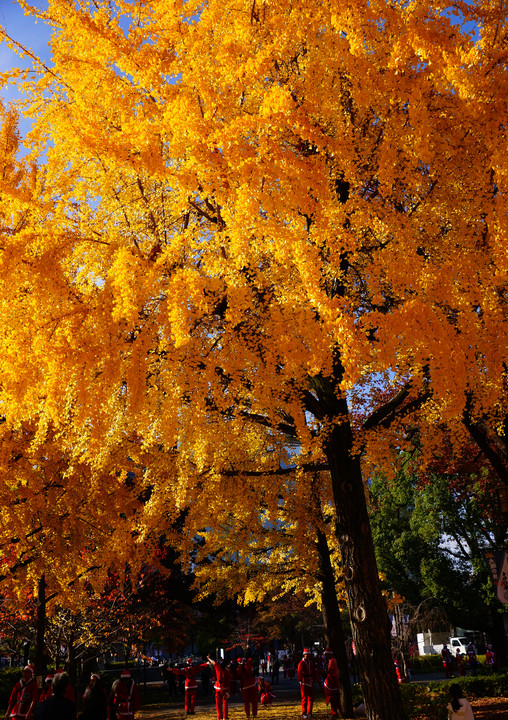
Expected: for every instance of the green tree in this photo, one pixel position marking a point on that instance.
(431, 530)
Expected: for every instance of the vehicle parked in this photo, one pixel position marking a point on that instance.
(431, 643)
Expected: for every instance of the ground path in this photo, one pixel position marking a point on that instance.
(287, 705)
(484, 709)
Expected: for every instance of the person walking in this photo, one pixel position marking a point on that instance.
(24, 696)
(222, 688)
(461, 668)
(491, 658)
(248, 684)
(58, 706)
(331, 684)
(275, 669)
(306, 675)
(95, 700)
(472, 661)
(447, 661)
(125, 697)
(47, 689)
(190, 673)
(69, 689)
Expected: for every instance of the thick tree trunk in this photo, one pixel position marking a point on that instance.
(40, 629)
(498, 632)
(367, 609)
(334, 634)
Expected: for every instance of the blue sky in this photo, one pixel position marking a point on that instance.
(25, 30)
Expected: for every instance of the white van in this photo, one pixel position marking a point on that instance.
(458, 643)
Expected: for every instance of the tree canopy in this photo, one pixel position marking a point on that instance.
(224, 206)
(431, 533)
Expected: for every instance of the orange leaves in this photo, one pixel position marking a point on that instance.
(122, 275)
(235, 205)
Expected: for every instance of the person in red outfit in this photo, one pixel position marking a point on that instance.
(306, 675)
(459, 657)
(23, 697)
(331, 683)
(126, 699)
(447, 661)
(47, 690)
(95, 700)
(249, 689)
(265, 691)
(491, 658)
(190, 672)
(222, 688)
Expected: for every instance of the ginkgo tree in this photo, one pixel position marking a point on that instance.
(61, 520)
(246, 212)
(261, 550)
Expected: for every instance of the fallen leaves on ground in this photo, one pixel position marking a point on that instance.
(484, 709)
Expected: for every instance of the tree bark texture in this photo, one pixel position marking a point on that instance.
(40, 629)
(367, 608)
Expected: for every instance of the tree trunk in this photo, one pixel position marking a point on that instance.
(57, 648)
(26, 653)
(367, 609)
(40, 629)
(498, 632)
(334, 634)
(402, 641)
(71, 657)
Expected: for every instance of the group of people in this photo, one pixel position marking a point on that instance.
(249, 684)
(467, 663)
(270, 665)
(228, 675)
(308, 676)
(57, 699)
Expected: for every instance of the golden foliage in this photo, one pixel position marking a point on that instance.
(230, 196)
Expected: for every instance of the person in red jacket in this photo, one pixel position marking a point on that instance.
(95, 700)
(249, 689)
(190, 672)
(23, 697)
(491, 658)
(331, 684)
(126, 698)
(265, 691)
(306, 674)
(47, 689)
(447, 661)
(222, 686)
(460, 660)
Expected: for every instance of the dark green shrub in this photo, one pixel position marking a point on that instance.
(429, 700)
